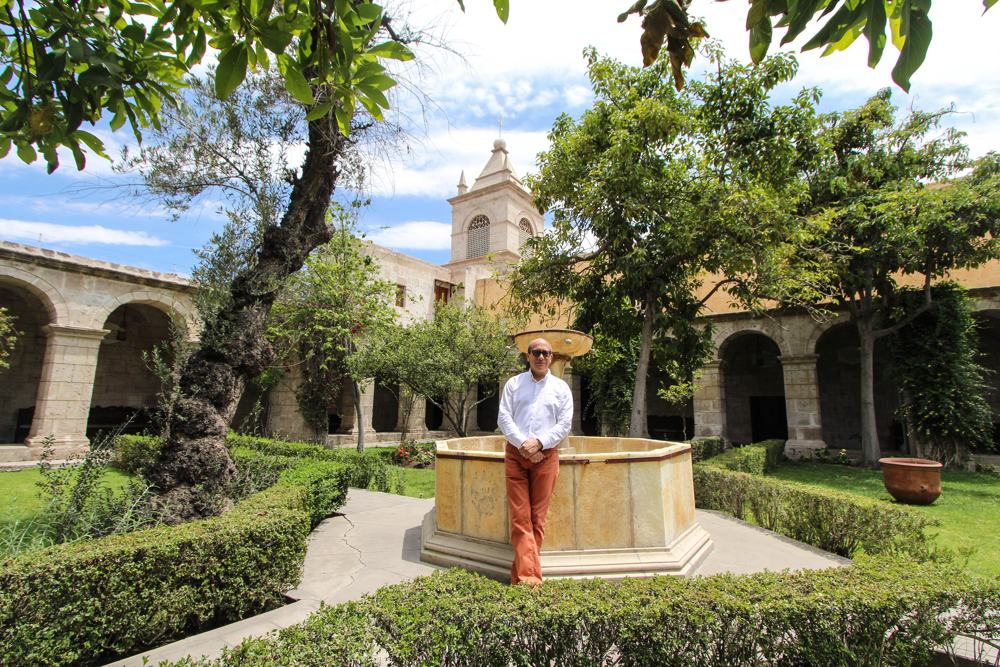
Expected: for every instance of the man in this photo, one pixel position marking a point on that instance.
(536, 412)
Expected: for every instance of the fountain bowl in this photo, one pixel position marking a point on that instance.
(621, 507)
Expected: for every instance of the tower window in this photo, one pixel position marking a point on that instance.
(479, 237)
(524, 232)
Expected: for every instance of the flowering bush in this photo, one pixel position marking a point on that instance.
(414, 455)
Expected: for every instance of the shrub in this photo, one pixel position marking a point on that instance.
(135, 454)
(837, 522)
(756, 458)
(410, 453)
(706, 448)
(875, 612)
(325, 483)
(368, 470)
(89, 601)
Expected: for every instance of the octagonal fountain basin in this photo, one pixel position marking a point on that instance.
(621, 507)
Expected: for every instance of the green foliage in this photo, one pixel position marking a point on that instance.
(368, 470)
(78, 504)
(757, 458)
(417, 454)
(706, 447)
(889, 198)
(906, 24)
(8, 337)
(135, 454)
(610, 369)
(92, 601)
(942, 388)
(444, 358)
(833, 521)
(651, 190)
(71, 63)
(872, 613)
(337, 297)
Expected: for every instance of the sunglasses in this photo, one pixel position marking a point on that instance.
(540, 353)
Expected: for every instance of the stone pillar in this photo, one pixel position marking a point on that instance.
(710, 402)
(573, 380)
(805, 425)
(284, 419)
(472, 421)
(65, 389)
(412, 423)
(367, 405)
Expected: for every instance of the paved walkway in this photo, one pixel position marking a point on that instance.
(376, 541)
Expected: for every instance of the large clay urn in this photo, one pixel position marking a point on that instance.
(912, 481)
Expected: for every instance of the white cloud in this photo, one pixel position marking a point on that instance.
(416, 235)
(46, 232)
(433, 168)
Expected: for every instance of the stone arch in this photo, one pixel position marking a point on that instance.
(988, 331)
(725, 336)
(753, 386)
(182, 315)
(32, 314)
(821, 328)
(50, 297)
(478, 236)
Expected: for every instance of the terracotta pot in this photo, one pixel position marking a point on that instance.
(912, 481)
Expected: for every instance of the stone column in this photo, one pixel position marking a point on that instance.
(573, 380)
(367, 405)
(805, 425)
(65, 389)
(710, 402)
(472, 422)
(285, 420)
(412, 423)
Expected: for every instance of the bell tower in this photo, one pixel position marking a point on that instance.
(491, 220)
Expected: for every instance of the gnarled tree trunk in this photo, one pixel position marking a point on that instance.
(194, 469)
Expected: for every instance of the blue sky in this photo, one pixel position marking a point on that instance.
(528, 71)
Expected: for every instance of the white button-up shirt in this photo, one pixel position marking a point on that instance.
(531, 408)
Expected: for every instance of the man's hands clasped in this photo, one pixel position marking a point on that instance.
(531, 449)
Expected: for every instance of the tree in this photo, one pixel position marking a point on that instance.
(444, 359)
(942, 387)
(888, 199)
(907, 24)
(652, 190)
(73, 62)
(336, 298)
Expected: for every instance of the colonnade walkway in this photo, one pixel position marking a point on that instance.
(375, 541)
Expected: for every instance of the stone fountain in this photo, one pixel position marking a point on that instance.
(621, 507)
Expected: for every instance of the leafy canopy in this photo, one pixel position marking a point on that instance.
(66, 63)
(444, 358)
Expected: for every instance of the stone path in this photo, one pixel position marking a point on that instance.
(375, 541)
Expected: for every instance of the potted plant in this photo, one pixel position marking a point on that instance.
(912, 481)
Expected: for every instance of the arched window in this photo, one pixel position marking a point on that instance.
(524, 232)
(479, 237)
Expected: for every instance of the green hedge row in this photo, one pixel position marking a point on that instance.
(840, 523)
(873, 613)
(87, 602)
(369, 470)
(706, 447)
(756, 458)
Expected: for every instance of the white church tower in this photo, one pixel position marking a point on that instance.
(491, 220)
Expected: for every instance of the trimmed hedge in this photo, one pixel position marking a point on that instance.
(135, 454)
(369, 470)
(756, 458)
(873, 613)
(90, 601)
(840, 523)
(706, 447)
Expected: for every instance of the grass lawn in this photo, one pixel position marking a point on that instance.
(968, 509)
(418, 482)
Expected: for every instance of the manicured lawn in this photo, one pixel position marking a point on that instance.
(968, 509)
(418, 482)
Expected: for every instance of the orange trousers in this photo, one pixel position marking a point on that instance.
(529, 489)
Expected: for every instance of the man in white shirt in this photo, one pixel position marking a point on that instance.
(536, 412)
